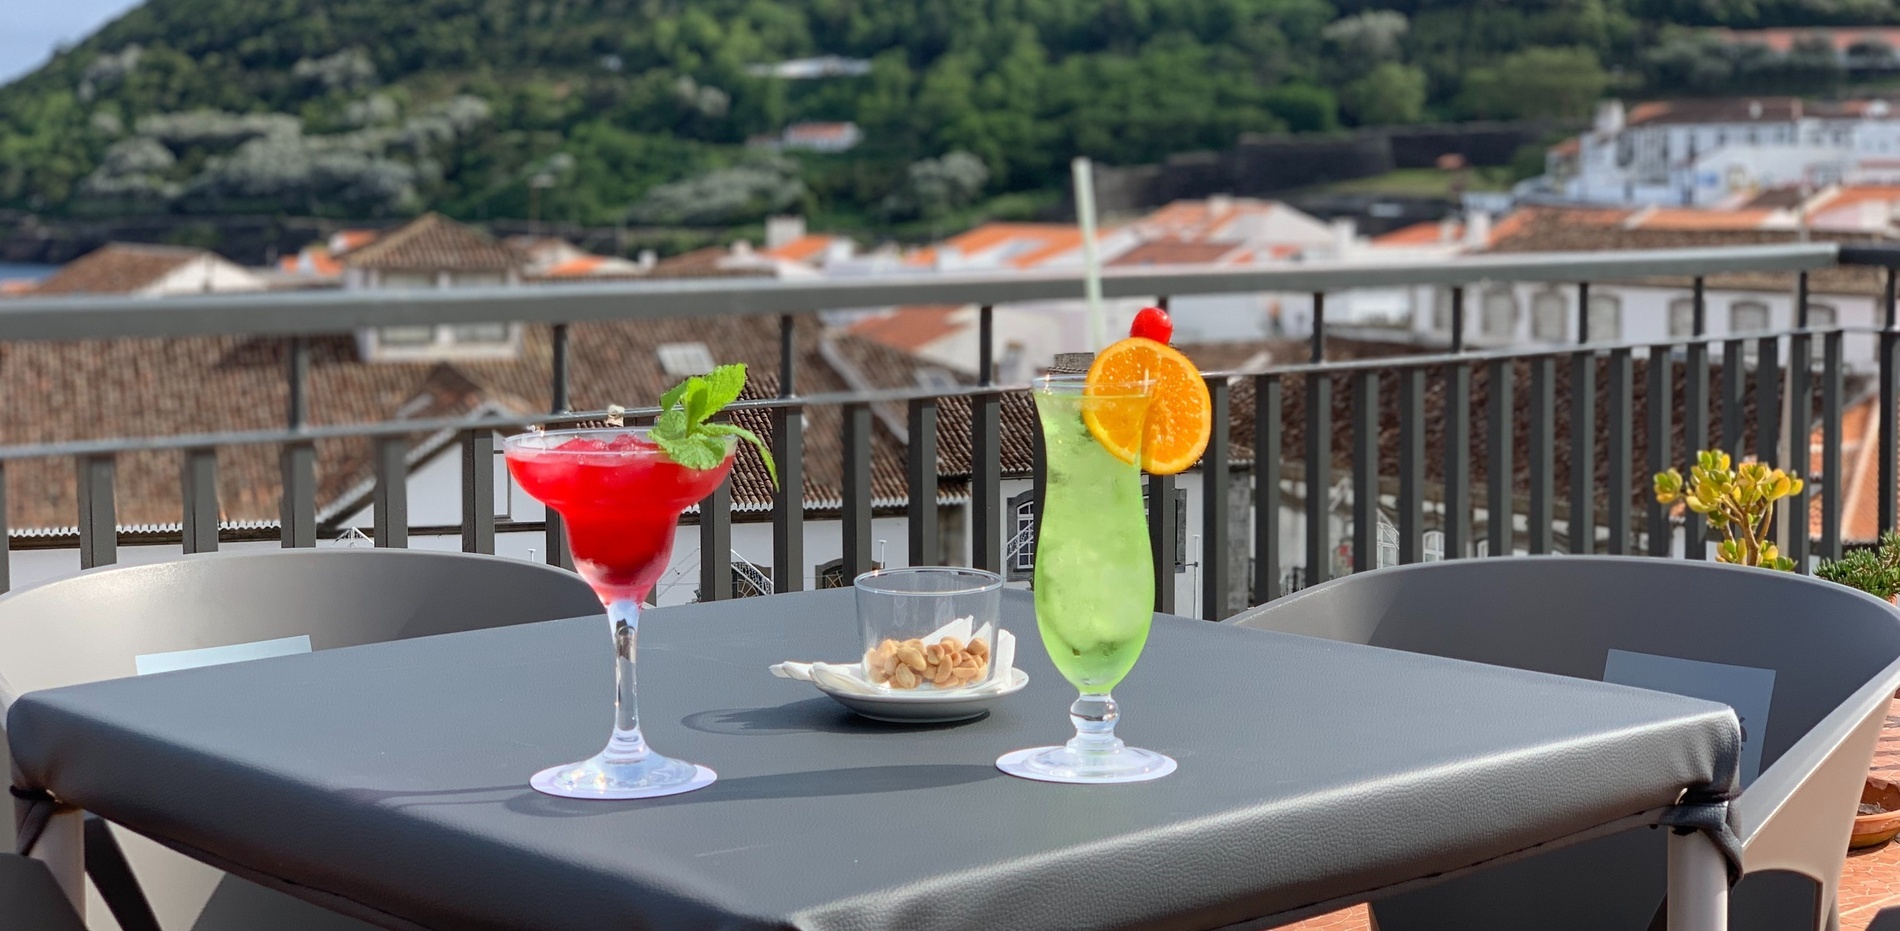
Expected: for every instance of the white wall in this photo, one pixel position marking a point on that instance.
(203, 275)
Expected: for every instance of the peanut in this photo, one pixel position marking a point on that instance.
(908, 664)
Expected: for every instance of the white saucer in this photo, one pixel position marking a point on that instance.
(927, 706)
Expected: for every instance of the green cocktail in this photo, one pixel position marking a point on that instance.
(1094, 578)
(1094, 569)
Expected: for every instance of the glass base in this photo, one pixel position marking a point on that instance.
(652, 776)
(1083, 767)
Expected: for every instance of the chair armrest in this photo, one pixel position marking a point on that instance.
(1789, 818)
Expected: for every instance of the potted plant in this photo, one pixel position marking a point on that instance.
(1738, 502)
(1876, 571)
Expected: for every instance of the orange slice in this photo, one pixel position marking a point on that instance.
(1180, 415)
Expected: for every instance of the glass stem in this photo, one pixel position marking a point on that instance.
(627, 745)
(1094, 716)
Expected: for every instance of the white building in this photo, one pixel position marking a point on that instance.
(1709, 152)
(143, 270)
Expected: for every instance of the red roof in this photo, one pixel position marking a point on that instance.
(118, 268)
(1171, 252)
(803, 249)
(909, 328)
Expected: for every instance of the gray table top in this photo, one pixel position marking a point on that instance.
(391, 779)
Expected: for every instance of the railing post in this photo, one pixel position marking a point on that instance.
(986, 459)
(554, 533)
(1583, 312)
(1889, 397)
(1768, 400)
(1800, 446)
(1660, 431)
(1621, 429)
(1319, 477)
(198, 480)
(921, 464)
(1458, 318)
(1267, 428)
(1365, 471)
(1411, 465)
(1216, 480)
(98, 517)
(478, 491)
(1316, 350)
(1499, 470)
(1162, 527)
(1831, 445)
(1695, 432)
(1457, 460)
(390, 504)
(297, 509)
(1583, 452)
(297, 461)
(788, 448)
(1541, 441)
(855, 510)
(1734, 391)
(715, 544)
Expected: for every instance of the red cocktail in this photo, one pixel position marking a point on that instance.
(620, 497)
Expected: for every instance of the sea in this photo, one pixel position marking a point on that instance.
(32, 272)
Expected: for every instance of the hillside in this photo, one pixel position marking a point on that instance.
(603, 111)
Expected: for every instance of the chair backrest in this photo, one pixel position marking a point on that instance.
(29, 898)
(1563, 615)
(94, 625)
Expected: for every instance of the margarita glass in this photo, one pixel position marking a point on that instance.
(620, 498)
(1094, 579)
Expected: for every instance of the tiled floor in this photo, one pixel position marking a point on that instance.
(1870, 881)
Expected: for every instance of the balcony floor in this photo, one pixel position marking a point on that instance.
(1870, 882)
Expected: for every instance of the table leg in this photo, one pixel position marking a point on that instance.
(62, 847)
(1698, 884)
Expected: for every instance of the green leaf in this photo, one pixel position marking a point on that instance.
(733, 429)
(670, 426)
(671, 398)
(695, 451)
(724, 385)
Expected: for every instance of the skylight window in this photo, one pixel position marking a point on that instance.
(680, 360)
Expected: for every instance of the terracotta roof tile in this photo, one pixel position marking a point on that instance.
(908, 329)
(434, 242)
(1171, 252)
(118, 268)
(802, 249)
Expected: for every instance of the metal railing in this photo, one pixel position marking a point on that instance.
(1713, 413)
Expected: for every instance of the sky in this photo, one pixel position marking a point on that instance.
(34, 27)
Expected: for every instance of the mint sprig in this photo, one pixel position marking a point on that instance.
(683, 432)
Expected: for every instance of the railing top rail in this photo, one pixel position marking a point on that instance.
(303, 312)
(116, 445)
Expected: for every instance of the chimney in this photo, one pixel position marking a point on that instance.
(1478, 230)
(1343, 231)
(1219, 205)
(1610, 117)
(782, 230)
(647, 259)
(741, 248)
(1448, 230)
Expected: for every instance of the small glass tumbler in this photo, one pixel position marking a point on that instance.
(929, 627)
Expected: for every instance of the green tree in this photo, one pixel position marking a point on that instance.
(1536, 82)
(1389, 93)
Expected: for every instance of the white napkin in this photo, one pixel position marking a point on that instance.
(850, 677)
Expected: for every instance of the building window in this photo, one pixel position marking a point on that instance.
(831, 574)
(1441, 310)
(1682, 318)
(478, 333)
(1606, 317)
(1019, 554)
(1823, 315)
(405, 336)
(1745, 317)
(1498, 315)
(1549, 310)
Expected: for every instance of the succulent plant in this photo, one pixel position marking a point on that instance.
(1874, 570)
(1738, 502)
